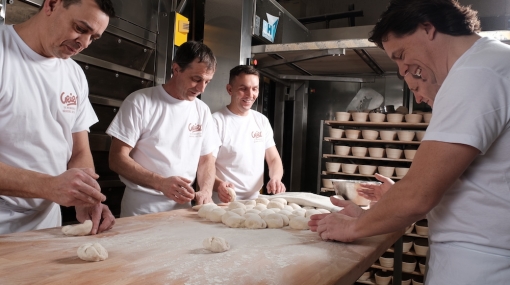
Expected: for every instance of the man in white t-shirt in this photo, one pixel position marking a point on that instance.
(164, 137)
(45, 115)
(459, 176)
(246, 139)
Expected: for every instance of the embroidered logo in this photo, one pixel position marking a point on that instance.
(257, 136)
(195, 130)
(69, 101)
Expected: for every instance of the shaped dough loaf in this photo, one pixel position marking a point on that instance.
(78, 230)
(215, 215)
(202, 213)
(299, 223)
(216, 244)
(92, 252)
(274, 221)
(255, 222)
(235, 221)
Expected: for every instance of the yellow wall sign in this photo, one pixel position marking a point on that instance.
(181, 29)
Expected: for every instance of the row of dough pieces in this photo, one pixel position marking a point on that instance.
(259, 214)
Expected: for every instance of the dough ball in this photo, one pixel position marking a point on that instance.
(285, 212)
(249, 207)
(78, 230)
(299, 212)
(216, 244)
(262, 201)
(202, 212)
(274, 221)
(311, 212)
(253, 211)
(280, 200)
(299, 223)
(276, 210)
(260, 207)
(323, 211)
(215, 215)
(266, 212)
(227, 215)
(236, 205)
(255, 222)
(235, 221)
(275, 204)
(232, 194)
(288, 208)
(294, 206)
(92, 252)
(239, 211)
(246, 216)
(285, 218)
(250, 203)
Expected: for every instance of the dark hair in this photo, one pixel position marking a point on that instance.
(403, 17)
(105, 5)
(189, 51)
(242, 69)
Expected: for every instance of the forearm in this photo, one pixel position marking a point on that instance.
(217, 183)
(17, 182)
(276, 169)
(82, 159)
(134, 172)
(206, 173)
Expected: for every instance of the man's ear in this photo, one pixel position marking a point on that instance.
(49, 6)
(229, 89)
(429, 29)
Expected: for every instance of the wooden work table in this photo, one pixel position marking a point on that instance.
(166, 248)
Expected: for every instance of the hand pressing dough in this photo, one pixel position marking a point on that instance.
(235, 221)
(92, 252)
(202, 213)
(236, 205)
(299, 223)
(262, 201)
(216, 244)
(232, 194)
(78, 230)
(275, 204)
(280, 200)
(215, 215)
(274, 221)
(255, 222)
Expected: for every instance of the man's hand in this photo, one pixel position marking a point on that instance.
(275, 186)
(349, 208)
(102, 218)
(223, 193)
(203, 197)
(334, 226)
(178, 189)
(75, 187)
(374, 192)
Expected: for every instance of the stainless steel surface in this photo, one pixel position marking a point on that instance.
(165, 44)
(112, 66)
(326, 78)
(131, 28)
(227, 32)
(181, 6)
(300, 124)
(143, 14)
(148, 42)
(3, 6)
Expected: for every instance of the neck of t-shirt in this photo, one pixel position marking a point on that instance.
(231, 109)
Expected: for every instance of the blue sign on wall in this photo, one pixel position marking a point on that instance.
(269, 27)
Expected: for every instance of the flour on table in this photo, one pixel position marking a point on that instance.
(92, 252)
(216, 244)
(78, 230)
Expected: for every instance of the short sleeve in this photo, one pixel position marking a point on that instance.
(471, 108)
(127, 125)
(85, 116)
(269, 134)
(211, 141)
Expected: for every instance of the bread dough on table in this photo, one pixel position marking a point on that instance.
(280, 200)
(92, 252)
(239, 211)
(227, 215)
(235, 221)
(232, 194)
(260, 207)
(78, 230)
(299, 223)
(260, 200)
(216, 244)
(202, 213)
(215, 215)
(255, 222)
(248, 202)
(236, 205)
(294, 206)
(275, 204)
(252, 211)
(285, 218)
(299, 212)
(305, 199)
(274, 221)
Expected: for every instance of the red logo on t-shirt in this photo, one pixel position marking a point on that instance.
(256, 134)
(68, 100)
(195, 130)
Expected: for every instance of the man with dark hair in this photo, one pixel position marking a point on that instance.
(163, 137)
(459, 176)
(45, 115)
(247, 138)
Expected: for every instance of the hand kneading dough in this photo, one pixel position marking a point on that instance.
(92, 252)
(274, 221)
(215, 215)
(78, 230)
(216, 244)
(235, 221)
(275, 204)
(255, 222)
(262, 201)
(202, 213)
(299, 223)
(232, 194)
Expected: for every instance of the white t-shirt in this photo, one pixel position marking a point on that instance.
(43, 101)
(472, 107)
(240, 158)
(167, 135)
